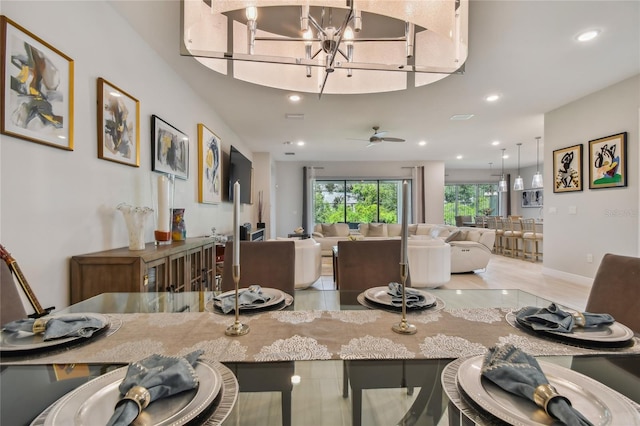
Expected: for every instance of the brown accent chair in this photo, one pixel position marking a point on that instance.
(365, 264)
(615, 290)
(266, 263)
(12, 306)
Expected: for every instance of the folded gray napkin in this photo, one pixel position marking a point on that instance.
(415, 299)
(520, 374)
(58, 327)
(552, 318)
(161, 376)
(249, 298)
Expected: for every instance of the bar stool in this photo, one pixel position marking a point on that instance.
(512, 236)
(495, 223)
(530, 238)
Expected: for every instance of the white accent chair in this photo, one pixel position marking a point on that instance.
(429, 262)
(308, 254)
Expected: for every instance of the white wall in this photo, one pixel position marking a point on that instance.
(289, 185)
(54, 203)
(606, 220)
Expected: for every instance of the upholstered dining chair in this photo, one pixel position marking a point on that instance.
(266, 263)
(366, 264)
(362, 265)
(12, 306)
(616, 290)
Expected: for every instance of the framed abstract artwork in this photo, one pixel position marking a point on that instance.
(118, 125)
(36, 89)
(209, 166)
(169, 149)
(532, 198)
(567, 169)
(608, 162)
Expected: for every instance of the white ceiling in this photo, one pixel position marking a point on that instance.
(523, 50)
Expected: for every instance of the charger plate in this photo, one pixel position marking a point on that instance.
(214, 306)
(614, 335)
(380, 296)
(598, 403)
(22, 342)
(439, 305)
(94, 402)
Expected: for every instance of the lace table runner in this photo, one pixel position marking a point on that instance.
(310, 335)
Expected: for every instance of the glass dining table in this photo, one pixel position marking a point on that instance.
(347, 391)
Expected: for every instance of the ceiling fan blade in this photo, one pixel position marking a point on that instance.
(370, 144)
(392, 140)
(354, 139)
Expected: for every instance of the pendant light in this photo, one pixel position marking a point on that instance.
(537, 178)
(502, 185)
(518, 184)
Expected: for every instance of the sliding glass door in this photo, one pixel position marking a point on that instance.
(358, 201)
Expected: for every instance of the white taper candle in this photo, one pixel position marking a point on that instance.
(163, 204)
(405, 225)
(236, 224)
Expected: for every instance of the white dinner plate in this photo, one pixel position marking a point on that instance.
(612, 334)
(23, 341)
(597, 402)
(380, 295)
(94, 402)
(275, 297)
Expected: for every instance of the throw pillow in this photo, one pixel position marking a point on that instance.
(423, 229)
(329, 230)
(439, 231)
(394, 229)
(377, 230)
(452, 236)
(412, 229)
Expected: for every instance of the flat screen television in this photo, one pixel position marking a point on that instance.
(240, 169)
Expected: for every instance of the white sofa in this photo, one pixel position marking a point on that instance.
(308, 261)
(470, 247)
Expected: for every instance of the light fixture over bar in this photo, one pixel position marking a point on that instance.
(334, 47)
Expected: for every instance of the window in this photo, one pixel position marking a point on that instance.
(470, 200)
(358, 201)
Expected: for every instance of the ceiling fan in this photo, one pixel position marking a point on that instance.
(379, 136)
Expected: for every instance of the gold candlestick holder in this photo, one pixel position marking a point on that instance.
(237, 328)
(403, 327)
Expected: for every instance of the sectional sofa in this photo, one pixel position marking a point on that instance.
(470, 247)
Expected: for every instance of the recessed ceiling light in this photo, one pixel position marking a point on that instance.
(505, 156)
(294, 97)
(422, 143)
(459, 157)
(492, 98)
(300, 143)
(494, 143)
(588, 35)
(461, 117)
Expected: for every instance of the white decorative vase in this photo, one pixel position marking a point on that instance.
(135, 218)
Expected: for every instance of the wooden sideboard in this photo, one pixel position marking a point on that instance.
(188, 265)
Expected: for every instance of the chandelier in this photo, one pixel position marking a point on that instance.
(335, 47)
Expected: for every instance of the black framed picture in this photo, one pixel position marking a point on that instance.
(169, 149)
